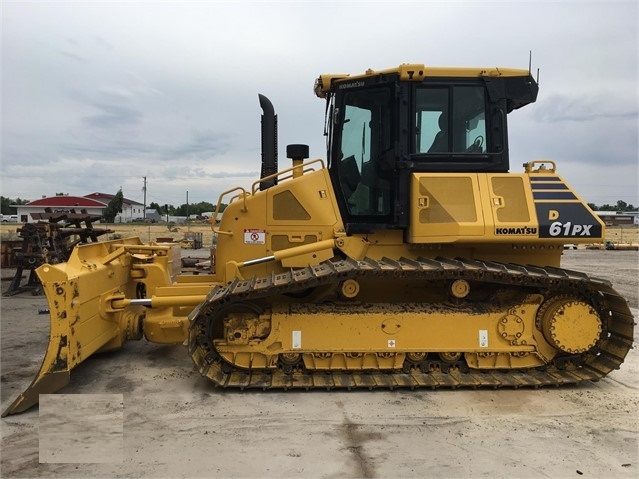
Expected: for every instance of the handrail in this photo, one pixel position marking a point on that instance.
(542, 166)
(290, 170)
(305, 168)
(241, 196)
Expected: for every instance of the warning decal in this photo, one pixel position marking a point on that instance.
(254, 237)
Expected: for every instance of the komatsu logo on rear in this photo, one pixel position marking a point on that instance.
(524, 230)
(352, 84)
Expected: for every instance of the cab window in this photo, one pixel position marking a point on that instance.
(450, 120)
(365, 138)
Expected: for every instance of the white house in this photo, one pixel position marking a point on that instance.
(131, 210)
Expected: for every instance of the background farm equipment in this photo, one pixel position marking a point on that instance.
(50, 240)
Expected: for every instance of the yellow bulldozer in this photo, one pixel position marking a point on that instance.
(412, 257)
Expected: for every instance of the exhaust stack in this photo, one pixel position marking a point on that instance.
(269, 142)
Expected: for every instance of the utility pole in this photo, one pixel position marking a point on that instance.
(144, 190)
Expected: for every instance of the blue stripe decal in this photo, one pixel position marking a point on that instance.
(553, 195)
(544, 178)
(551, 186)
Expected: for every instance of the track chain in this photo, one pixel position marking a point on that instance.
(606, 356)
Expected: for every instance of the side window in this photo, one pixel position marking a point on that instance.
(469, 110)
(450, 120)
(432, 120)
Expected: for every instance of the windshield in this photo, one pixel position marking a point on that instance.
(364, 142)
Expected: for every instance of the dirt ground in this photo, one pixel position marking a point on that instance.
(142, 412)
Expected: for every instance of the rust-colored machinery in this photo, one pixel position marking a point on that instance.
(412, 258)
(50, 240)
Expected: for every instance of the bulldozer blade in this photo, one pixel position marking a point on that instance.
(78, 293)
(44, 383)
(54, 372)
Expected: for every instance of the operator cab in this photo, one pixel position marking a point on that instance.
(384, 125)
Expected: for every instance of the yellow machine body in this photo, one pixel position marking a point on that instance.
(475, 215)
(437, 270)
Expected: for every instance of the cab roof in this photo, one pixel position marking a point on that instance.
(415, 72)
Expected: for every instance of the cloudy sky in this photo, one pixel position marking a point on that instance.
(98, 95)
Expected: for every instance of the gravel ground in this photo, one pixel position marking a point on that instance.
(142, 412)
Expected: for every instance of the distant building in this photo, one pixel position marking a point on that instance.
(152, 215)
(131, 210)
(179, 220)
(59, 204)
(94, 204)
(617, 218)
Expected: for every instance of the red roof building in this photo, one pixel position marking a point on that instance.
(106, 197)
(93, 204)
(59, 204)
(66, 202)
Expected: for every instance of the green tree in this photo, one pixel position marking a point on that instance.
(622, 205)
(203, 207)
(196, 208)
(180, 210)
(5, 209)
(5, 205)
(114, 207)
